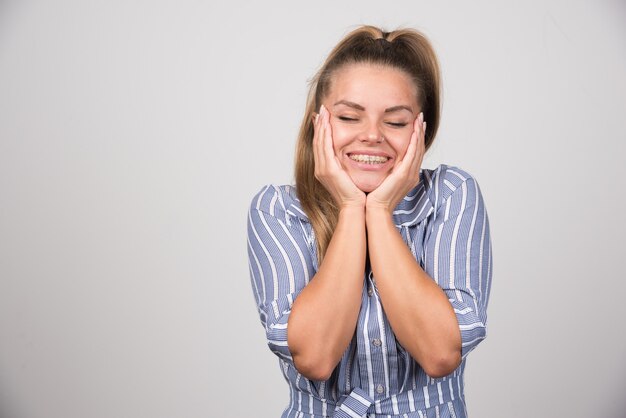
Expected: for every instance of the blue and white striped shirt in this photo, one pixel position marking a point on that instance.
(444, 222)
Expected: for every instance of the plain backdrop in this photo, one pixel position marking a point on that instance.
(133, 135)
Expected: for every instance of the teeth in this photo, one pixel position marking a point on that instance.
(369, 159)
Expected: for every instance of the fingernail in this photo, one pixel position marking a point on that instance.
(421, 116)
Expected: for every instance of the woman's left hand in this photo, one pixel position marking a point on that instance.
(405, 174)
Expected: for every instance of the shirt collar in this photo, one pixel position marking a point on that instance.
(416, 205)
(413, 209)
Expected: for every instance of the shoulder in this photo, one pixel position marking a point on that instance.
(280, 201)
(447, 182)
(445, 179)
(435, 188)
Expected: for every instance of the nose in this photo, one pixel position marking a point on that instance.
(372, 134)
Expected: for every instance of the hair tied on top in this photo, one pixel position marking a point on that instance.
(384, 43)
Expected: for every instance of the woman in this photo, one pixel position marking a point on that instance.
(372, 275)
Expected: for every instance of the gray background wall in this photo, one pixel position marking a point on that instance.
(133, 135)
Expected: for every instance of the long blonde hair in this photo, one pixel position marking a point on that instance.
(404, 49)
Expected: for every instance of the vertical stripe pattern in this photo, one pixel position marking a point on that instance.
(444, 222)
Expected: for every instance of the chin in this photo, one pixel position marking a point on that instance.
(368, 186)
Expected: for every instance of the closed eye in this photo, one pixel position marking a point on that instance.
(347, 119)
(397, 124)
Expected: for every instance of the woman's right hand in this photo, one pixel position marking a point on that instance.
(328, 169)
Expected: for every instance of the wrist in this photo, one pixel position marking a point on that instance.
(352, 204)
(351, 217)
(352, 210)
(375, 206)
(378, 213)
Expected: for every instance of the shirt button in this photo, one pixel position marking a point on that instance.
(380, 389)
(376, 342)
(370, 292)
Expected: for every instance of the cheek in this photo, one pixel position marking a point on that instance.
(342, 136)
(400, 143)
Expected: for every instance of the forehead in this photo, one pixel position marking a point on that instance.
(372, 84)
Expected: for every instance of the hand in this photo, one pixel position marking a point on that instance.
(328, 169)
(405, 173)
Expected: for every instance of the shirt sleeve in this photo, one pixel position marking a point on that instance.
(458, 254)
(280, 264)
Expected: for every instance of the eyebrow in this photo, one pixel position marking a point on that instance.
(361, 108)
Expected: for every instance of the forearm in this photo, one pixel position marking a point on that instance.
(324, 315)
(417, 308)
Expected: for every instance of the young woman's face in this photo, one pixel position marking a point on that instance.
(372, 111)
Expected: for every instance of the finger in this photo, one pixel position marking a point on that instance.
(422, 129)
(321, 140)
(409, 157)
(420, 126)
(328, 138)
(317, 154)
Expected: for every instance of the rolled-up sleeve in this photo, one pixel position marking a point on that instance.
(458, 254)
(280, 263)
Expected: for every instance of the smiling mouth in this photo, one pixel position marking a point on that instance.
(368, 159)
